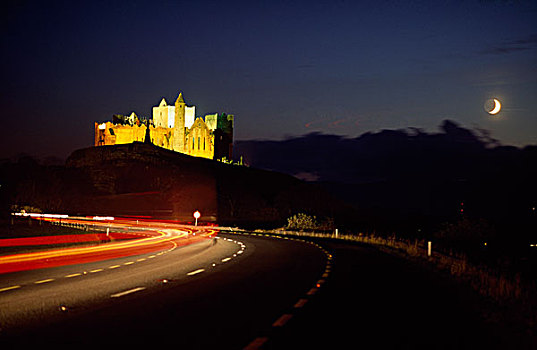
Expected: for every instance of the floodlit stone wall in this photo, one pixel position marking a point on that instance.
(175, 128)
(108, 133)
(200, 140)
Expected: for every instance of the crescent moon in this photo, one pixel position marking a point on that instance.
(497, 107)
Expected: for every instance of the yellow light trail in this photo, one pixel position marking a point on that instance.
(83, 250)
(104, 251)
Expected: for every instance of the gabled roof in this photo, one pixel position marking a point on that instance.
(163, 103)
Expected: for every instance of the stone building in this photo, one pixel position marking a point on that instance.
(175, 128)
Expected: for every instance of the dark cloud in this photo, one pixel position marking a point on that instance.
(369, 157)
(508, 47)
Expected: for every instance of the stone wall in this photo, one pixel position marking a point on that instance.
(108, 133)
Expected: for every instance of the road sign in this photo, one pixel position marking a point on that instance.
(197, 216)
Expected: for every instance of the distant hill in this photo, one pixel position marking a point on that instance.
(411, 176)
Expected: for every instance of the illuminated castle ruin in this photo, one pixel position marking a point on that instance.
(173, 127)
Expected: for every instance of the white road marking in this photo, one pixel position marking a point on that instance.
(195, 272)
(120, 294)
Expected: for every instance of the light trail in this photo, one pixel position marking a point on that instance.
(152, 238)
(61, 239)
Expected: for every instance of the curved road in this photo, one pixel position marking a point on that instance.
(216, 293)
(251, 291)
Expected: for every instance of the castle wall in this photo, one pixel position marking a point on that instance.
(164, 116)
(212, 121)
(199, 140)
(190, 116)
(109, 133)
(175, 128)
(162, 137)
(128, 134)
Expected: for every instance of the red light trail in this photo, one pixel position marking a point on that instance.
(139, 238)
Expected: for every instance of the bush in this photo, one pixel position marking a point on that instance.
(303, 221)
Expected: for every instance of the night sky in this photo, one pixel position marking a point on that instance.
(282, 68)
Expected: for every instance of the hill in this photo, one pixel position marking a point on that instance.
(414, 180)
(147, 181)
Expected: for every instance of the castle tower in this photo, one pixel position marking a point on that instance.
(179, 125)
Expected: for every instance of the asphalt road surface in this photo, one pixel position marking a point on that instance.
(198, 296)
(246, 291)
(375, 300)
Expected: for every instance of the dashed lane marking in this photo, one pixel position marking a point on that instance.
(195, 272)
(73, 275)
(44, 281)
(3, 289)
(9, 288)
(312, 291)
(280, 322)
(257, 343)
(130, 291)
(300, 303)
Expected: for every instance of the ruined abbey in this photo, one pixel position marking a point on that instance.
(172, 127)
